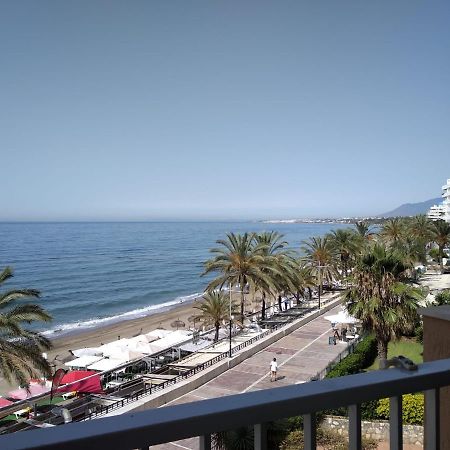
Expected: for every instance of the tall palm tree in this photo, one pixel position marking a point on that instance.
(276, 264)
(392, 233)
(386, 306)
(302, 279)
(214, 309)
(364, 235)
(441, 236)
(20, 348)
(320, 256)
(344, 243)
(239, 261)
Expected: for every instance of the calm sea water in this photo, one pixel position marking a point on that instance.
(97, 273)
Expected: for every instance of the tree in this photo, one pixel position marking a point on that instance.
(320, 257)
(392, 233)
(239, 262)
(302, 279)
(441, 236)
(214, 309)
(20, 348)
(385, 305)
(343, 242)
(363, 231)
(277, 264)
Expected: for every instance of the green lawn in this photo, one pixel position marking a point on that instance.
(406, 347)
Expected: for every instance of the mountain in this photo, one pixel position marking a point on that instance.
(412, 209)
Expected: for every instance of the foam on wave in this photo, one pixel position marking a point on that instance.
(134, 314)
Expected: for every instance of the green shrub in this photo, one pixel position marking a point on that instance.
(413, 409)
(326, 439)
(443, 297)
(419, 334)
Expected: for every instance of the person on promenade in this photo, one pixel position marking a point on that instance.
(273, 369)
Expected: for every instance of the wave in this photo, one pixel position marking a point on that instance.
(71, 327)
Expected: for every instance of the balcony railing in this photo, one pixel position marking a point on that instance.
(143, 429)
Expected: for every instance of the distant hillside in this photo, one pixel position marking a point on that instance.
(412, 209)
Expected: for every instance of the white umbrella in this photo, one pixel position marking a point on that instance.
(88, 351)
(126, 355)
(341, 317)
(84, 361)
(106, 364)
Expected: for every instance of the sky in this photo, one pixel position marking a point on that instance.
(150, 110)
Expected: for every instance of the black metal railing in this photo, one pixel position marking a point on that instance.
(156, 426)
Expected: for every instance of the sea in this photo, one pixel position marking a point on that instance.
(94, 274)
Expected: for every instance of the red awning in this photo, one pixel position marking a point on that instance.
(4, 402)
(91, 385)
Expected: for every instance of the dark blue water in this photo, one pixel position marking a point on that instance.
(97, 273)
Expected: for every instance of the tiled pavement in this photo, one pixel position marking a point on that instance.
(300, 356)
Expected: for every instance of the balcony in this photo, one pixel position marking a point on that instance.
(143, 429)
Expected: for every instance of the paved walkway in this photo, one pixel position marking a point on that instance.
(300, 355)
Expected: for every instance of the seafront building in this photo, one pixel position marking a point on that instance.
(446, 200)
(436, 212)
(442, 211)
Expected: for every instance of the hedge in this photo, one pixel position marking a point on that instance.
(412, 409)
(363, 356)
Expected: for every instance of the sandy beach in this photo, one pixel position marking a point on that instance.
(125, 329)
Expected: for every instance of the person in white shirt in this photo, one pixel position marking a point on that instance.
(273, 369)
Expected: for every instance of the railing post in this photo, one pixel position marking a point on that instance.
(354, 427)
(432, 420)
(309, 431)
(260, 442)
(205, 442)
(395, 423)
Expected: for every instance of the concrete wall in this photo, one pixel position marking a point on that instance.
(412, 434)
(188, 385)
(436, 345)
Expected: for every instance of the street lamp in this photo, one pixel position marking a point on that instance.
(320, 281)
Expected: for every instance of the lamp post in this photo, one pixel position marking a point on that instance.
(320, 280)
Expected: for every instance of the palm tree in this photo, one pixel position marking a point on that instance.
(20, 348)
(240, 262)
(276, 264)
(386, 306)
(302, 279)
(363, 230)
(392, 233)
(320, 257)
(344, 243)
(441, 236)
(214, 309)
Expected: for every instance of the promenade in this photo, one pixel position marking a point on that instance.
(300, 355)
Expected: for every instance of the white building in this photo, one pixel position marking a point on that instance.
(446, 200)
(436, 212)
(442, 211)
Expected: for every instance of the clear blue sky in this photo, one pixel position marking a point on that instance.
(221, 109)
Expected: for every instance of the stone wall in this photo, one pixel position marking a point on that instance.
(412, 434)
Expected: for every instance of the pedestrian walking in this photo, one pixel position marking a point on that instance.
(273, 369)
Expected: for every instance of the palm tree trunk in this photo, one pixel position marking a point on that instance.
(279, 303)
(297, 298)
(216, 336)
(382, 349)
(263, 308)
(441, 262)
(242, 302)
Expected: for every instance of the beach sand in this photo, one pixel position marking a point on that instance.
(125, 329)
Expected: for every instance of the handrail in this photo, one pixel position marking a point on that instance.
(172, 423)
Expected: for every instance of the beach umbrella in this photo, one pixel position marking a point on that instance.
(341, 317)
(177, 324)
